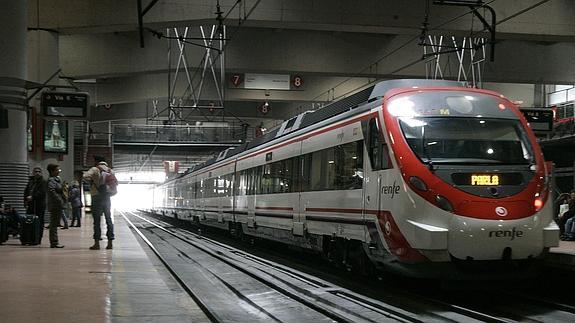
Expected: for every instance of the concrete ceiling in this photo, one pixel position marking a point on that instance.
(336, 46)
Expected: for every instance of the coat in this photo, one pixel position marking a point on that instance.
(75, 198)
(54, 195)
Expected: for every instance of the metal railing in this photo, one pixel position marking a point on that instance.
(180, 134)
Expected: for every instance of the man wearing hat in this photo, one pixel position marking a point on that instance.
(100, 203)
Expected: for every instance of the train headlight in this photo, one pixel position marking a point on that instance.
(443, 203)
(418, 183)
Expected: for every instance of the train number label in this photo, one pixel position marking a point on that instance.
(484, 180)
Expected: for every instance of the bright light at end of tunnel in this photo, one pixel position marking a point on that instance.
(136, 189)
(134, 196)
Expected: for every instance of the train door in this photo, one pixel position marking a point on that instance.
(251, 195)
(372, 177)
(298, 212)
(376, 164)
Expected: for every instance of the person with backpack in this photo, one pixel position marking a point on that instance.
(103, 186)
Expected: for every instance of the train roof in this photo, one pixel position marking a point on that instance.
(333, 109)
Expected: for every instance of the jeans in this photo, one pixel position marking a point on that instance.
(55, 215)
(101, 204)
(570, 228)
(76, 215)
(65, 216)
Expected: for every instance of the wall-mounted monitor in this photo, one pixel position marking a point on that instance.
(539, 119)
(55, 136)
(65, 105)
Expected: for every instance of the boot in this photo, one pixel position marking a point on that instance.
(109, 246)
(96, 245)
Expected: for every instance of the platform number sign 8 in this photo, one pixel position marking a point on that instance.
(265, 108)
(297, 81)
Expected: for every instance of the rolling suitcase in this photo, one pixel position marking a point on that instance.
(30, 234)
(3, 228)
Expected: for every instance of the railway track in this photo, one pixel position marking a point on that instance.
(232, 285)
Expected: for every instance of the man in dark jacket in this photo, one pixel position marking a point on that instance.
(55, 199)
(35, 197)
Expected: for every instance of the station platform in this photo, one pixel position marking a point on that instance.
(75, 284)
(126, 284)
(563, 256)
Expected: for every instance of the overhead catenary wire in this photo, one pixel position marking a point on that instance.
(400, 47)
(222, 50)
(420, 59)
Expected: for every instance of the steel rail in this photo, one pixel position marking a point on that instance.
(311, 303)
(210, 313)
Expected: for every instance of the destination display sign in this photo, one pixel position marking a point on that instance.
(66, 105)
(267, 81)
(539, 119)
(484, 180)
(478, 179)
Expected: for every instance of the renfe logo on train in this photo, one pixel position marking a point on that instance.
(506, 233)
(390, 189)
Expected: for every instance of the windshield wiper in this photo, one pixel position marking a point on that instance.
(429, 162)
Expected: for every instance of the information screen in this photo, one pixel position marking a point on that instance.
(69, 105)
(55, 136)
(539, 119)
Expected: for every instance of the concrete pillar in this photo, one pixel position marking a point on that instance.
(539, 97)
(43, 62)
(13, 156)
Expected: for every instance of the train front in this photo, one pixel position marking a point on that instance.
(477, 186)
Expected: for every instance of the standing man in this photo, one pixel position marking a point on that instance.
(55, 200)
(100, 202)
(35, 197)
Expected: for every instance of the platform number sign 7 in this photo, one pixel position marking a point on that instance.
(296, 81)
(237, 79)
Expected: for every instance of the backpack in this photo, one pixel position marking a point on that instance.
(108, 182)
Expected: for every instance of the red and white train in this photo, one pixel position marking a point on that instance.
(428, 178)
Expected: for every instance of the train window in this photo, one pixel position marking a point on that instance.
(385, 159)
(290, 123)
(286, 177)
(305, 173)
(267, 179)
(374, 145)
(316, 175)
(296, 173)
(349, 166)
(378, 150)
(329, 167)
(250, 181)
(258, 172)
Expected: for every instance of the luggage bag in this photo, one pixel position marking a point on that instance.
(3, 228)
(30, 234)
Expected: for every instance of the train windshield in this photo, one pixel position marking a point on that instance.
(459, 140)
